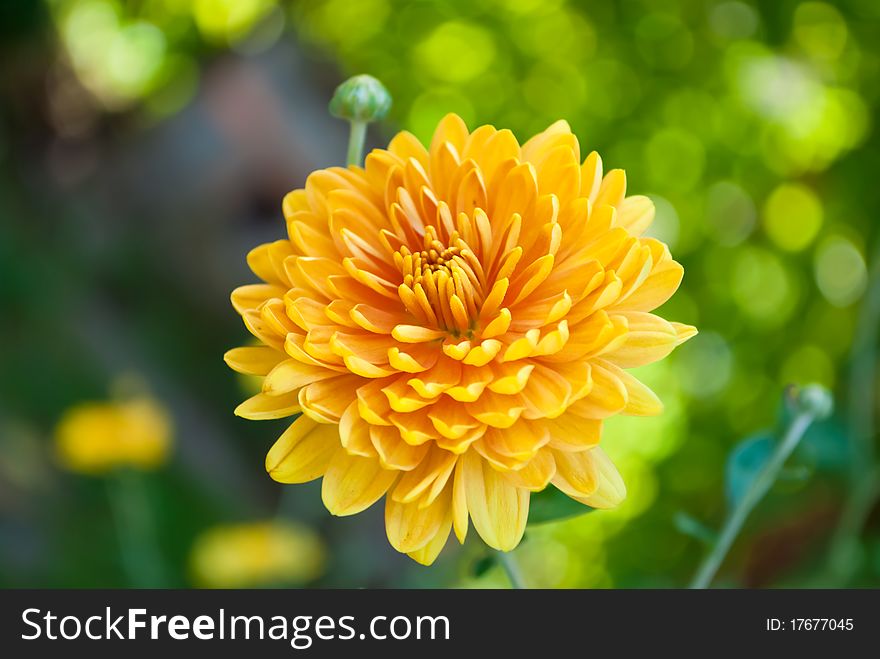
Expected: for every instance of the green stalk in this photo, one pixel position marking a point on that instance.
(511, 569)
(356, 138)
(756, 492)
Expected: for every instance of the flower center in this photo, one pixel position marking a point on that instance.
(442, 284)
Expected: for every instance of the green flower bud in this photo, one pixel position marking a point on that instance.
(360, 98)
(816, 400)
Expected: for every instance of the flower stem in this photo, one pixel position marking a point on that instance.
(356, 138)
(134, 529)
(757, 490)
(511, 569)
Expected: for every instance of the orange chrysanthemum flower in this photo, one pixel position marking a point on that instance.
(454, 325)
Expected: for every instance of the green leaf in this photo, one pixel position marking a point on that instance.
(551, 505)
(483, 564)
(826, 445)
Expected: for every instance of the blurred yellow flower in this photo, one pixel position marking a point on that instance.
(94, 438)
(256, 554)
(454, 324)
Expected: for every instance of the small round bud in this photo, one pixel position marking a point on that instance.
(816, 400)
(360, 98)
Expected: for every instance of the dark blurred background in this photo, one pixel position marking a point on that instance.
(145, 147)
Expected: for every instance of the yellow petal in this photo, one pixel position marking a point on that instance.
(372, 319)
(354, 433)
(498, 325)
(589, 477)
(373, 404)
(267, 261)
(496, 410)
(456, 349)
(636, 214)
(459, 502)
(428, 554)
(416, 334)
(414, 359)
(546, 395)
(641, 401)
(253, 360)
(252, 296)
(394, 452)
(531, 278)
(591, 176)
(610, 489)
(471, 385)
(607, 397)
(510, 377)
(536, 474)
(683, 332)
(264, 406)
(522, 347)
(303, 451)
(537, 146)
(403, 398)
(410, 527)
(450, 129)
(436, 467)
(575, 474)
(452, 420)
(313, 272)
(521, 441)
(612, 189)
(648, 339)
(573, 433)
(353, 483)
(326, 400)
(659, 285)
(437, 379)
(498, 508)
(405, 145)
(292, 374)
(415, 428)
(304, 311)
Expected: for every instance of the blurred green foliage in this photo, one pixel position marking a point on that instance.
(749, 123)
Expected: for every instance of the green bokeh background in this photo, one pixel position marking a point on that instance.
(145, 148)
